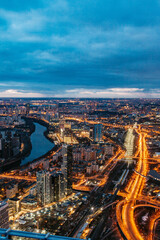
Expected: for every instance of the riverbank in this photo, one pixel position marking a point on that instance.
(24, 133)
(17, 161)
(39, 142)
(43, 123)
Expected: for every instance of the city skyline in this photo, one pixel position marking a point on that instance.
(80, 168)
(87, 49)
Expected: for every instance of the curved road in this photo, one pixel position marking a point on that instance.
(125, 209)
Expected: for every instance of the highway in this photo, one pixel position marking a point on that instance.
(8, 176)
(97, 122)
(125, 209)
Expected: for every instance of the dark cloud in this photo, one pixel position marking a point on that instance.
(79, 44)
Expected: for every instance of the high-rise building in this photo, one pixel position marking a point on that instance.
(97, 132)
(43, 187)
(27, 108)
(64, 167)
(67, 168)
(57, 186)
(4, 215)
(50, 187)
(9, 145)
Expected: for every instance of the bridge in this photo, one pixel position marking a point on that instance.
(6, 234)
(150, 175)
(139, 174)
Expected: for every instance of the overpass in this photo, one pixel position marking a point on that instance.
(6, 234)
(124, 210)
(140, 174)
(150, 175)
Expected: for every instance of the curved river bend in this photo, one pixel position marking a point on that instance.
(40, 144)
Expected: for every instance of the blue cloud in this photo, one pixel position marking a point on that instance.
(79, 44)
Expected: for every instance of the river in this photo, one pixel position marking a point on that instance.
(40, 144)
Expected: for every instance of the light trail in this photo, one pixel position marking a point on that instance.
(125, 209)
(97, 122)
(152, 223)
(26, 178)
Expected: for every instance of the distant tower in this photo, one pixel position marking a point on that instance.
(27, 108)
(43, 187)
(97, 132)
(67, 168)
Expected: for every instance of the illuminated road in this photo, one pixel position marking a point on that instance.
(125, 209)
(31, 179)
(152, 225)
(94, 122)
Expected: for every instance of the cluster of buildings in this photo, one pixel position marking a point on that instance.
(68, 132)
(54, 178)
(9, 144)
(65, 131)
(10, 188)
(11, 121)
(51, 186)
(116, 112)
(89, 159)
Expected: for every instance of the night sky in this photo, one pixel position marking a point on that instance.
(80, 48)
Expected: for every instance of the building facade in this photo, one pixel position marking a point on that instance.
(67, 168)
(4, 215)
(97, 132)
(43, 188)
